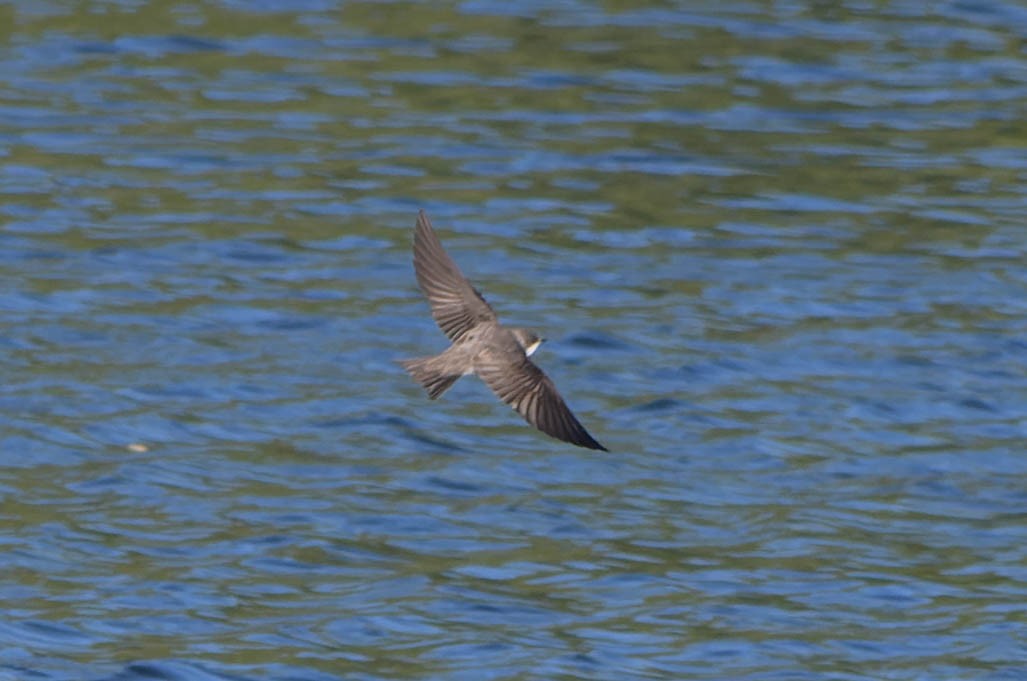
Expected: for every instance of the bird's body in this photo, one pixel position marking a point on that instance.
(466, 355)
(496, 353)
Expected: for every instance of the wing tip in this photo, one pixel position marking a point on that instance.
(589, 442)
(423, 221)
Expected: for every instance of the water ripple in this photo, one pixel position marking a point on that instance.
(777, 254)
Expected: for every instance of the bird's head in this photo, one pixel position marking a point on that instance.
(528, 340)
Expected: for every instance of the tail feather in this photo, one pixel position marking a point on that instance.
(425, 371)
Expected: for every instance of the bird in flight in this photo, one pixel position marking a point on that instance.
(481, 345)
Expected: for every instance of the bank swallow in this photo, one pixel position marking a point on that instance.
(481, 345)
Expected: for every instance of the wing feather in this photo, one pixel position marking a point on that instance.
(527, 389)
(456, 305)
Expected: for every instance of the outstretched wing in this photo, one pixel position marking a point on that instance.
(456, 305)
(527, 389)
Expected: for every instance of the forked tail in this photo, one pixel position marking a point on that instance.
(426, 371)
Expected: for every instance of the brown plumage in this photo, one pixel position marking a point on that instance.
(483, 346)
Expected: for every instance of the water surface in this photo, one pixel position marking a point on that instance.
(778, 250)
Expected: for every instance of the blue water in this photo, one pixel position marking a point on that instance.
(777, 249)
